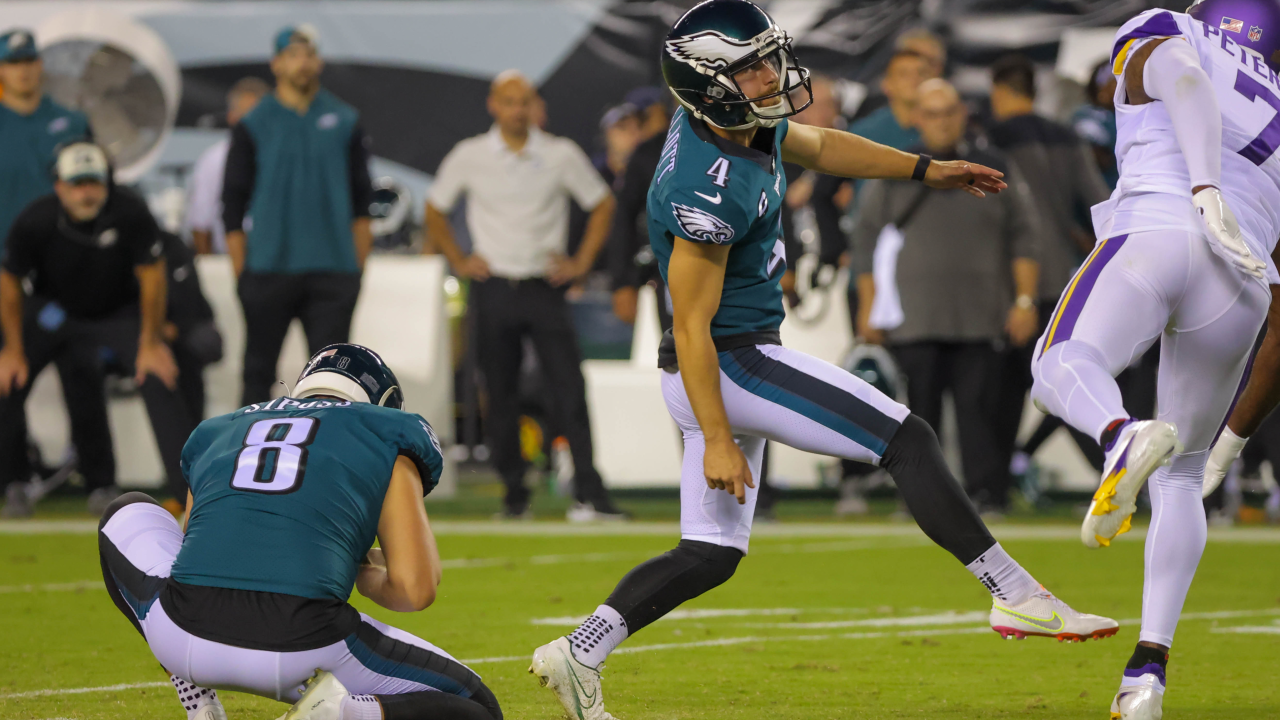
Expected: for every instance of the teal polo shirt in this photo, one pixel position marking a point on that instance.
(881, 126)
(294, 182)
(27, 152)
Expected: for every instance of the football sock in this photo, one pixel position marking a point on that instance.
(934, 497)
(1175, 542)
(193, 697)
(1112, 433)
(1144, 656)
(1003, 576)
(595, 638)
(1072, 381)
(361, 707)
(659, 585)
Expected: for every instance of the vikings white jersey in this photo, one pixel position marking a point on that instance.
(1155, 188)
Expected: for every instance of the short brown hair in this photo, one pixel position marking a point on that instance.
(1017, 73)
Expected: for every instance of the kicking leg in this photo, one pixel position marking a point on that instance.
(1088, 343)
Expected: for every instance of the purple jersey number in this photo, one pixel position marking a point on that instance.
(1263, 146)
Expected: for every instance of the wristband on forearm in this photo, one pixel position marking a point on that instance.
(922, 167)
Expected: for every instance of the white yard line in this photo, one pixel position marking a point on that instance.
(722, 642)
(78, 586)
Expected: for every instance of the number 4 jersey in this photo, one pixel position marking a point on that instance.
(709, 190)
(287, 494)
(1155, 187)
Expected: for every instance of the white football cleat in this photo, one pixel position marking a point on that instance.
(1141, 695)
(210, 711)
(1143, 446)
(321, 700)
(1043, 615)
(576, 686)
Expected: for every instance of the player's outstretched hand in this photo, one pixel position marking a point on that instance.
(975, 179)
(13, 371)
(1223, 232)
(725, 468)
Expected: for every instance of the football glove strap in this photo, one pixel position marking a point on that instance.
(1224, 452)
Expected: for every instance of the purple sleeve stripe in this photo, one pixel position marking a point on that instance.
(1158, 25)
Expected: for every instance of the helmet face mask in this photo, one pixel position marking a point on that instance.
(717, 43)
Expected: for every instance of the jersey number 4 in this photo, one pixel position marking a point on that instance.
(1264, 146)
(274, 457)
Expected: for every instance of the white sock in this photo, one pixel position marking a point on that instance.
(193, 697)
(1003, 576)
(361, 707)
(595, 638)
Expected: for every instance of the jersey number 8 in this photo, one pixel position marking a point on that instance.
(274, 457)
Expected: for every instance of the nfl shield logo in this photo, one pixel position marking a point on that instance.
(1231, 25)
(1255, 33)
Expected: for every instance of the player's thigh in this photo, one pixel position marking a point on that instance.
(137, 541)
(787, 396)
(714, 515)
(383, 660)
(1202, 369)
(1120, 300)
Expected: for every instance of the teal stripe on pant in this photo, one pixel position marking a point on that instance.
(825, 404)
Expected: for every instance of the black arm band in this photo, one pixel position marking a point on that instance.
(922, 166)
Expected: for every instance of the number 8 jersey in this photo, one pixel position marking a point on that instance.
(287, 494)
(1154, 191)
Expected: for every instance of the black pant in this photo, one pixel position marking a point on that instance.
(75, 345)
(508, 311)
(323, 301)
(968, 370)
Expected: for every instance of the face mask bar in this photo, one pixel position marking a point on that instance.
(776, 51)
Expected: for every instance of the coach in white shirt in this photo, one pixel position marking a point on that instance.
(518, 181)
(204, 192)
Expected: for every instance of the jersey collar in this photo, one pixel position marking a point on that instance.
(765, 160)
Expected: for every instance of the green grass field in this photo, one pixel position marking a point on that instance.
(821, 621)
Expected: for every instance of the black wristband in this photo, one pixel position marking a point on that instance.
(922, 166)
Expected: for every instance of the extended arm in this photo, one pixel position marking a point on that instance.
(403, 574)
(237, 190)
(361, 194)
(1170, 72)
(843, 154)
(695, 278)
(154, 357)
(13, 359)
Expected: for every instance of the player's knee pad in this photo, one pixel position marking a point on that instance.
(913, 443)
(715, 564)
(124, 500)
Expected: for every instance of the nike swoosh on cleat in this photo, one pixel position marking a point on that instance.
(713, 200)
(1042, 623)
(579, 690)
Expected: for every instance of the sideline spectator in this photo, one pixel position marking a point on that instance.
(518, 180)
(927, 45)
(631, 262)
(961, 264)
(1095, 121)
(296, 198)
(620, 128)
(204, 193)
(93, 256)
(1064, 180)
(189, 328)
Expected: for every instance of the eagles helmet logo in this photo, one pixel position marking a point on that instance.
(701, 225)
(708, 50)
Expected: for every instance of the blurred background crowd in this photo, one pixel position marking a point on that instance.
(517, 140)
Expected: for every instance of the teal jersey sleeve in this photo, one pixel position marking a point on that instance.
(705, 217)
(419, 443)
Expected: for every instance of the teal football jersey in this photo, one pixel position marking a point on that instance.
(287, 494)
(709, 190)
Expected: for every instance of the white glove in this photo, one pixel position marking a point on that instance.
(1224, 232)
(1225, 452)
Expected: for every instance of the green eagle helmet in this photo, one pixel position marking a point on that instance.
(718, 39)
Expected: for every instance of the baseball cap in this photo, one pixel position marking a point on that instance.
(18, 45)
(304, 33)
(616, 114)
(643, 97)
(82, 161)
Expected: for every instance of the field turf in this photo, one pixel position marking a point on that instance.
(821, 621)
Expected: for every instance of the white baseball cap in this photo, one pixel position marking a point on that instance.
(82, 161)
